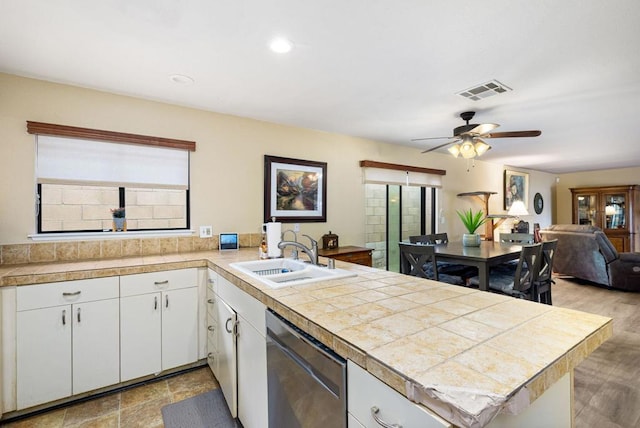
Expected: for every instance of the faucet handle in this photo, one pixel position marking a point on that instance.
(313, 241)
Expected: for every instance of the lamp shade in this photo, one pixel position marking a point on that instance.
(610, 210)
(518, 209)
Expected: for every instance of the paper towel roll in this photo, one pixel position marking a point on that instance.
(274, 236)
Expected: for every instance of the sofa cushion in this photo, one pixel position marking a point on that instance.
(580, 228)
(606, 247)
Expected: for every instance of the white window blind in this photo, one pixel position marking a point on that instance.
(402, 178)
(73, 160)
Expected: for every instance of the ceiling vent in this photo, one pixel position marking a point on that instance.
(484, 90)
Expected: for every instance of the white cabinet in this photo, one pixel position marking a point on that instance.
(62, 330)
(159, 322)
(251, 350)
(366, 392)
(226, 355)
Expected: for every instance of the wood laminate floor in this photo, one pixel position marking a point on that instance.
(607, 384)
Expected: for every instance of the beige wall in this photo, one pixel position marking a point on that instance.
(227, 167)
(609, 177)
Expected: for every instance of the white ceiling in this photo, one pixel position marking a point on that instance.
(380, 69)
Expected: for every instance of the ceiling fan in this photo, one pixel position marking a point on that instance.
(467, 139)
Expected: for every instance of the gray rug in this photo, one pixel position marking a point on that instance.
(208, 410)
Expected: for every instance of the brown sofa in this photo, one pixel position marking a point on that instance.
(585, 252)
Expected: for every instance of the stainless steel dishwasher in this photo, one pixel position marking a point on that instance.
(307, 381)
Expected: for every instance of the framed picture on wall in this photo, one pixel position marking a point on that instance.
(295, 190)
(516, 188)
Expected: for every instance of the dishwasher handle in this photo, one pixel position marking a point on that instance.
(300, 362)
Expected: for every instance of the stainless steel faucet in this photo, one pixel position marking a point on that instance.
(294, 251)
(311, 252)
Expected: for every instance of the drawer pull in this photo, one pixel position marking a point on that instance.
(166, 281)
(210, 355)
(68, 294)
(211, 328)
(211, 301)
(374, 415)
(211, 281)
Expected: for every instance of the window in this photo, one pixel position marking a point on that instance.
(80, 180)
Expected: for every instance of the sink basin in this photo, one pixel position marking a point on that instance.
(277, 273)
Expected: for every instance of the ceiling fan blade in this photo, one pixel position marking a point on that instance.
(513, 134)
(441, 146)
(431, 138)
(483, 128)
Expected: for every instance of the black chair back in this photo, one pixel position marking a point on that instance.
(430, 239)
(415, 258)
(528, 268)
(544, 281)
(517, 238)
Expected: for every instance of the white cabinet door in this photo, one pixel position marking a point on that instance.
(179, 327)
(44, 355)
(226, 355)
(140, 335)
(253, 410)
(96, 345)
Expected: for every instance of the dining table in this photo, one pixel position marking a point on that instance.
(488, 254)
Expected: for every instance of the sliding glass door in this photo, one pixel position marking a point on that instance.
(393, 213)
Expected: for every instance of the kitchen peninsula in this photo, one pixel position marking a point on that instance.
(462, 353)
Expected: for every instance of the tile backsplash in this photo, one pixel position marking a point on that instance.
(66, 251)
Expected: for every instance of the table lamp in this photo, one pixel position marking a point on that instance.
(518, 209)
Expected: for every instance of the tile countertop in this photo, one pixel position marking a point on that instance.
(462, 352)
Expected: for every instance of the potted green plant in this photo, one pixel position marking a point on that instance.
(119, 219)
(471, 222)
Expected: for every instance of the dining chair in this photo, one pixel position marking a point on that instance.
(543, 283)
(521, 281)
(420, 260)
(517, 238)
(454, 269)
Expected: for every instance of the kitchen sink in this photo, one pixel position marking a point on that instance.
(277, 273)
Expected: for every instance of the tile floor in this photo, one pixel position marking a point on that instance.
(136, 407)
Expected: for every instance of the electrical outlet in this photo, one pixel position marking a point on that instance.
(296, 227)
(206, 231)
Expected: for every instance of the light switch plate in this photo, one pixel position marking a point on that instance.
(206, 231)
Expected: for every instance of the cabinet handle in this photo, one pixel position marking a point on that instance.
(166, 281)
(211, 301)
(64, 317)
(210, 355)
(78, 314)
(68, 294)
(211, 281)
(211, 328)
(374, 415)
(155, 303)
(166, 301)
(234, 328)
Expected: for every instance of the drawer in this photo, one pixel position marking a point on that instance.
(211, 303)
(65, 293)
(245, 305)
(212, 281)
(367, 391)
(361, 258)
(144, 283)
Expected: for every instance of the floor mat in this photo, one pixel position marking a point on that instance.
(205, 410)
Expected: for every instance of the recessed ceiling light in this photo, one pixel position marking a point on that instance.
(181, 79)
(280, 45)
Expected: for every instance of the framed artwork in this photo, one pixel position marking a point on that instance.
(295, 191)
(516, 188)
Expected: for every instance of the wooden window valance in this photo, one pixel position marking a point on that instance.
(50, 129)
(396, 167)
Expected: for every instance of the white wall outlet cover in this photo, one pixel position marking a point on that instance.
(206, 231)
(296, 227)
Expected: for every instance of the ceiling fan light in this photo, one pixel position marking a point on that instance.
(454, 150)
(481, 147)
(467, 150)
